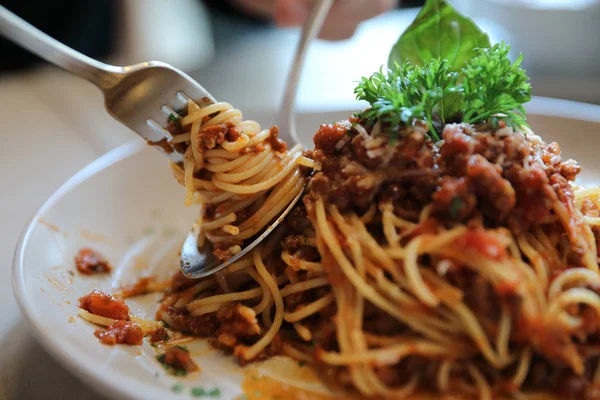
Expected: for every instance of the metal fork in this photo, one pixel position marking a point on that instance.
(140, 96)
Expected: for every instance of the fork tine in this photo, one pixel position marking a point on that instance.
(169, 111)
(157, 127)
(183, 97)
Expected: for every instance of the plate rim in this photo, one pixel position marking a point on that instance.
(138, 390)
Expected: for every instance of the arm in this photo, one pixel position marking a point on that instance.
(343, 19)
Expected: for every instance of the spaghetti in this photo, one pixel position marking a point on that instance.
(468, 266)
(242, 174)
(465, 267)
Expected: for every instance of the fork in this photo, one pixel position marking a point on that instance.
(139, 96)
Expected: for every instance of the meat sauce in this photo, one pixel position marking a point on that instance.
(159, 335)
(105, 305)
(121, 332)
(483, 243)
(497, 178)
(140, 287)
(276, 143)
(178, 360)
(213, 135)
(90, 262)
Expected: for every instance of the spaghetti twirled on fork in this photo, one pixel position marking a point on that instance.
(244, 175)
(467, 266)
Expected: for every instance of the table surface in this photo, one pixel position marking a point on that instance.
(53, 124)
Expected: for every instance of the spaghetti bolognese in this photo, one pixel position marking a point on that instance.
(441, 246)
(465, 266)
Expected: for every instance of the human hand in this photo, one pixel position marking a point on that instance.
(342, 20)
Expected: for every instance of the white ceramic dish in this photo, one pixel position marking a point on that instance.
(127, 206)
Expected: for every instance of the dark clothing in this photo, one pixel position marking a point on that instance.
(87, 26)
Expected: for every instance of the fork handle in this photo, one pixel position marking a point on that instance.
(314, 22)
(22, 33)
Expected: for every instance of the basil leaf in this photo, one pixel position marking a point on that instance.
(439, 31)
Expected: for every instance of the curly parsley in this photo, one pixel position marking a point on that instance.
(467, 84)
(493, 85)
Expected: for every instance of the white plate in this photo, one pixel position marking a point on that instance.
(127, 206)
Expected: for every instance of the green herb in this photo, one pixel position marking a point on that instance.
(439, 31)
(153, 345)
(184, 348)
(302, 363)
(177, 388)
(494, 85)
(166, 325)
(169, 368)
(174, 119)
(495, 122)
(408, 92)
(455, 78)
(455, 205)
(201, 392)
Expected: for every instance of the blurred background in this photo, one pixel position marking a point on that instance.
(53, 124)
(239, 55)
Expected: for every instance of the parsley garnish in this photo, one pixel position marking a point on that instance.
(443, 70)
(174, 119)
(455, 205)
(169, 368)
(177, 388)
(493, 85)
(201, 392)
(198, 392)
(408, 92)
